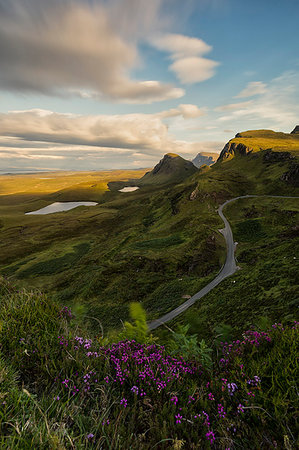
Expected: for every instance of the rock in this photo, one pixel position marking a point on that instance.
(270, 156)
(205, 159)
(194, 194)
(295, 130)
(232, 149)
(292, 175)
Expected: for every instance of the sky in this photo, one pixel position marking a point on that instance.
(109, 84)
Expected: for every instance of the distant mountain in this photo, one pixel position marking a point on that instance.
(171, 169)
(254, 141)
(204, 158)
(295, 130)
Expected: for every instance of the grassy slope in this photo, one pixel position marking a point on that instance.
(266, 139)
(153, 245)
(55, 395)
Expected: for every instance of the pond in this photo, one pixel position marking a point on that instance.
(129, 189)
(59, 207)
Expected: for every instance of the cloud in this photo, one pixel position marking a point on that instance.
(276, 108)
(101, 141)
(194, 69)
(233, 106)
(181, 46)
(71, 48)
(187, 111)
(253, 88)
(187, 52)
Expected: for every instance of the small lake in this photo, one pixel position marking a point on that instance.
(59, 207)
(129, 189)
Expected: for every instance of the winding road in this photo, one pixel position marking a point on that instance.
(229, 268)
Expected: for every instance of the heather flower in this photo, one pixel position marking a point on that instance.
(178, 418)
(232, 387)
(124, 402)
(65, 313)
(240, 408)
(90, 436)
(210, 436)
(211, 396)
(221, 411)
(135, 390)
(174, 400)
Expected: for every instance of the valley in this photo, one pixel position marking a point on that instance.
(155, 245)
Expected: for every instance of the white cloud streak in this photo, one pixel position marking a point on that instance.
(276, 106)
(253, 88)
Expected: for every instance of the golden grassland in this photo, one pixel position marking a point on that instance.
(267, 139)
(47, 182)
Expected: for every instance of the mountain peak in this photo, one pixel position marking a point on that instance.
(171, 155)
(172, 168)
(295, 130)
(205, 158)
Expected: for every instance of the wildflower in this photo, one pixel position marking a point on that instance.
(240, 408)
(124, 402)
(174, 399)
(211, 396)
(221, 411)
(210, 436)
(232, 387)
(135, 390)
(178, 418)
(90, 436)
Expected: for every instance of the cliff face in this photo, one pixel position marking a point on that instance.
(295, 130)
(232, 149)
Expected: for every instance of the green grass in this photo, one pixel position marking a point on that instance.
(40, 363)
(139, 243)
(56, 265)
(269, 268)
(159, 243)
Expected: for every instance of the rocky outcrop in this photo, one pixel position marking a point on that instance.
(274, 157)
(194, 194)
(292, 175)
(204, 159)
(232, 149)
(171, 169)
(295, 130)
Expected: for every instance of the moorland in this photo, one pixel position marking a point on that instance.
(74, 375)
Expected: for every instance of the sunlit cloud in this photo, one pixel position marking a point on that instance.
(102, 141)
(70, 48)
(189, 65)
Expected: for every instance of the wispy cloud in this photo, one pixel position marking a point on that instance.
(275, 107)
(253, 88)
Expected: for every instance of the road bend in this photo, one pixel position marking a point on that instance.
(229, 268)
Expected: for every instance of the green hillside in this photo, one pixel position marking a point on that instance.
(258, 140)
(74, 375)
(171, 169)
(155, 245)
